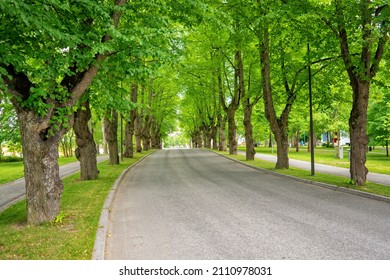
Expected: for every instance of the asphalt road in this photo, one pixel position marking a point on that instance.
(16, 190)
(194, 204)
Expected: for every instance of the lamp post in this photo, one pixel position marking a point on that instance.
(311, 113)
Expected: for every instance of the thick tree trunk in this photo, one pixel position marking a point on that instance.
(105, 145)
(111, 133)
(207, 136)
(86, 146)
(250, 149)
(281, 139)
(155, 134)
(40, 155)
(222, 133)
(138, 134)
(146, 133)
(358, 132)
(199, 139)
(296, 140)
(129, 133)
(232, 132)
(130, 125)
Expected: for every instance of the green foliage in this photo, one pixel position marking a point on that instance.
(379, 118)
(60, 218)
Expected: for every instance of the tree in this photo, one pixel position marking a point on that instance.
(46, 82)
(361, 27)
(9, 127)
(379, 120)
(86, 151)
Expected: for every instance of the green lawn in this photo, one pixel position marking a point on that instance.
(11, 171)
(376, 160)
(73, 235)
(319, 177)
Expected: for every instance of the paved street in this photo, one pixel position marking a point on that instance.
(194, 204)
(14, 191)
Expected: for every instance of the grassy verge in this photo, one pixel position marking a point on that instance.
(377, 161)
(319, 177)
(72, 235)
(11, 171)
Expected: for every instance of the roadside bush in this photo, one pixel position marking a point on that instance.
(11, 159)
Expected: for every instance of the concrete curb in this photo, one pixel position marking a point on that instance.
(101, 234)
(315, 183)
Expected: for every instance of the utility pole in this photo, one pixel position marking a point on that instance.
(311, 114)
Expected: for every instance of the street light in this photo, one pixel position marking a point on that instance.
(311, 114)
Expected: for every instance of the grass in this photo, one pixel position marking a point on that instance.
(72, 235)
(376, 160)
(319, 177)
(11, 171)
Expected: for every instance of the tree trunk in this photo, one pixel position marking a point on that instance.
(278, 125)
(130, 125)
(232, 132)
(129, 133)
(358, 132)
(281, 139)
(86, 146)
(207, 136)
(105, 145)
(250, 149)
(138, 133)
(296, 140)
(146, 133)
(214, 132)
(111, 133)
(222, 132)
(199, 139)
(40, 155)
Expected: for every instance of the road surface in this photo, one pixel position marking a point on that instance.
(194, 204)
(14, 191)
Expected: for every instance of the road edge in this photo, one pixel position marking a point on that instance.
(311, 182)
(99, 247)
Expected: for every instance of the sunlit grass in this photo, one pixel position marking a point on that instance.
(377, 161)
(319, 177)
(72, 236)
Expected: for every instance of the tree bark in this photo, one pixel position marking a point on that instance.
(146, 133)
(130, 125)
(358, 133)
(232, 132)
(86, 146)
(138, 133)
(207, 136)
(250, 149)
(40, 155)
(214, 132)
(222, 132)
(111, 133)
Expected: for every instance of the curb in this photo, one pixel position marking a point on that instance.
(101, 234)
(311, 182)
